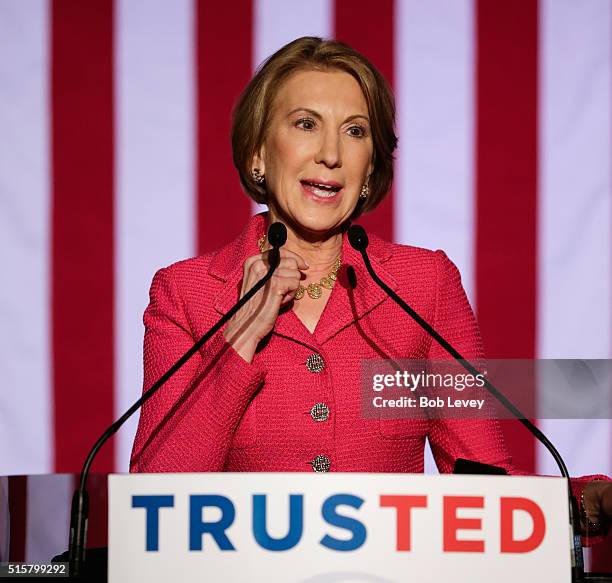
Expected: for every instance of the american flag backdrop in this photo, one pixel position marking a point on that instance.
(115, 161)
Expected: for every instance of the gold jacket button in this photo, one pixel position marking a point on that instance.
(319, 412)
(314, 363)
(321, 463)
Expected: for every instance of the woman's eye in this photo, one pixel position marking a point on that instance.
(306, 124)
(357, 131)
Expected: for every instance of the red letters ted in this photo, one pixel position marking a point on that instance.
(404, 505)
(452, 524)
(508, 544)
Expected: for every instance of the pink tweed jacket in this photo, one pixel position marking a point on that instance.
(221, 413)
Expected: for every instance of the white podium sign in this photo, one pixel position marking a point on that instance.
(332, 528)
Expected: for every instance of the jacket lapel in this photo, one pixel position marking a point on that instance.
(227, 264)
(345, 304)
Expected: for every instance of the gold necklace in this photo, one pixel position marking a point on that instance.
(314, 290)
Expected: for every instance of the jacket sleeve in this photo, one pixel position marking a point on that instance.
(189, 424)
(474, 439)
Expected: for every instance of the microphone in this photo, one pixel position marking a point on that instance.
(358, 239)
(277, 236)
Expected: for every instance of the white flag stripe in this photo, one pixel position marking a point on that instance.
(434, 72)
(575, 237)
(277, 22)
(433, 204)
(26, 442)
(48, 516)
(155, 191)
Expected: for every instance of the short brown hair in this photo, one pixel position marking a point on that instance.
(254, 107)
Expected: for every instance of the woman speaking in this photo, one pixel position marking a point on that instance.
(279, 388)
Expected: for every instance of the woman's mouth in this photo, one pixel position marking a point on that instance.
(320, 191)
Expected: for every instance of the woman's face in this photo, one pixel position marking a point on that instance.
(319, 134)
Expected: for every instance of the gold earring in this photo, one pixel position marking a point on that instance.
(258, 177)
(365, 190)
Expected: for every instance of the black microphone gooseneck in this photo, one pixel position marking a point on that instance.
(358, 239)
(277, 236)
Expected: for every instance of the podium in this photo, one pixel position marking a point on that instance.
(312, 527)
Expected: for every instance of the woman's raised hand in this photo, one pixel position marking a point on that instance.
(256, 318)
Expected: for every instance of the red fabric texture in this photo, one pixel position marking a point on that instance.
(220, 413)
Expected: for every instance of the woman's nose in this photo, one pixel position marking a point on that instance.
(330, 150)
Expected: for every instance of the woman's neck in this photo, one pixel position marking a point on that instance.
(320, 252)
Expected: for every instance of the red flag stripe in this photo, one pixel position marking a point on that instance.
(18, 497)
(506, 187)
(224, 61)
(376, 41)
(82, 237)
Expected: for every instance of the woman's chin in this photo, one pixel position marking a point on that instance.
(313, 218)
(318, 222)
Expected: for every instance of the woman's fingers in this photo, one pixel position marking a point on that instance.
(301, 262)
(286, 258)
(287, 273)
(606, 500)
(257, 317)
(287, 269)
(597, 504)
